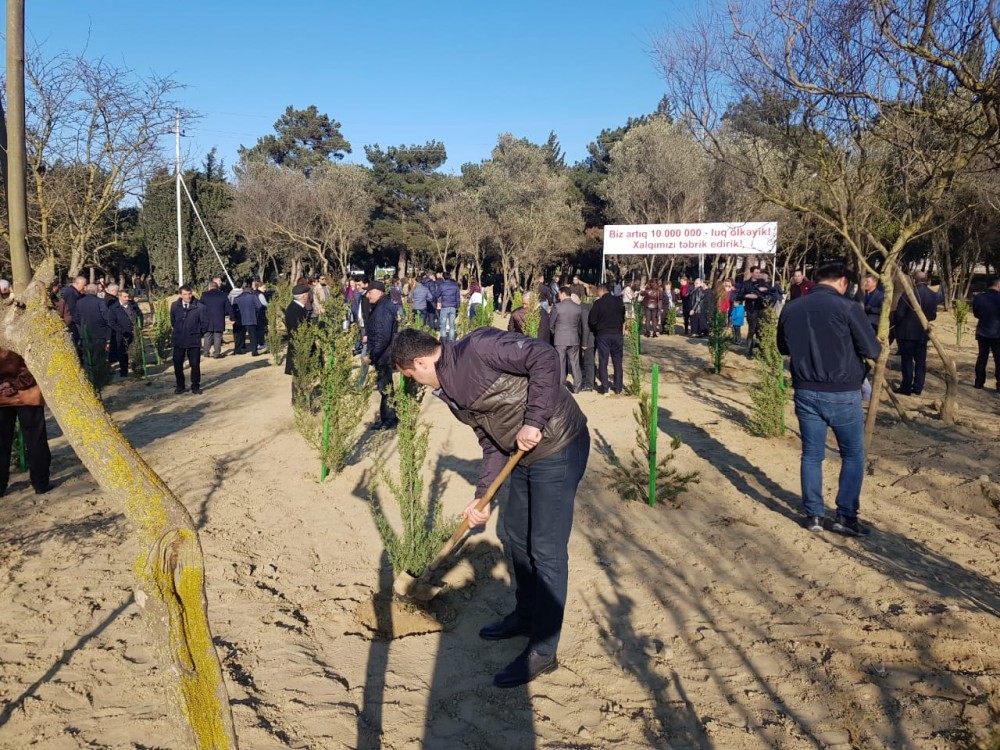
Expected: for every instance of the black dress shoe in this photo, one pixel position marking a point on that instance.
(902, 392)
(511, 626)
(179, 390)
(525, 668)
(195, 389)
(44, 488)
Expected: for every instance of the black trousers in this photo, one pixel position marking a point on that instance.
(699, 324)
(912, 364)
(986, 347)
(253, 336)
(686, 313)
(753, 323)
(193, 354)
(587, 365)
(610, 346)
(36, 443)
(93, 351)
(239, 339)
(385, 388)
(123, 344)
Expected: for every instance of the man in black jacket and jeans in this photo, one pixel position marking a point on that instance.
(506, 387)
(828, 338)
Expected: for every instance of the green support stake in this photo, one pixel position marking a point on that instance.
(653, 419)
(142, 349)
(22, 458)
(324, 470)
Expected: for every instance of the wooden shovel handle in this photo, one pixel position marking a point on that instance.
(484, 501)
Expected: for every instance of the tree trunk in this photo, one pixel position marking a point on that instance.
(882, 363)
(169, 570)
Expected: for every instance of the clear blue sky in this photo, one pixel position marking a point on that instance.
(391, 72)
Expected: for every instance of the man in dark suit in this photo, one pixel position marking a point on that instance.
(986, 307)
(607, 321)
(93, 321)
(912, 337)
(70, 295)
(381, 327)
(296, 314)
(189, 320)
(124, 325)
(567, 332)
(217, 308)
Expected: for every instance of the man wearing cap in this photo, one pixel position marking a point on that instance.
(380, 328)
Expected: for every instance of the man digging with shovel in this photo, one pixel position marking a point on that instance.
(507, 388)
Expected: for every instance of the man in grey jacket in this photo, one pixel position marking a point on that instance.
(566, 322)
(506, 387)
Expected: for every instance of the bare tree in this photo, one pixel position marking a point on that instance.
(322, 214)
(169, 568)
(93, 135)
(872, 109)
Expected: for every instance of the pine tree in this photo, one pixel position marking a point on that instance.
(770, 392)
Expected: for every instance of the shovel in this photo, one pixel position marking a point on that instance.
(417, 589)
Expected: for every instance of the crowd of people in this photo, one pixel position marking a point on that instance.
(515, 392)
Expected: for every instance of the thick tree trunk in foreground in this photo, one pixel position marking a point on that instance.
(169, 570)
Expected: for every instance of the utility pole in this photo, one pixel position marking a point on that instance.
(177, 172)
(17, 206)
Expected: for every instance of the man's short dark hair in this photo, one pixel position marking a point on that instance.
(565, 290)
(409, 344)
(832, 271)
(754, 268)
(604, 287)
(185, 288)
(992, 282)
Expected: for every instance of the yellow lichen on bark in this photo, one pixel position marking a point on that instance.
(169, 566)
(181, 585)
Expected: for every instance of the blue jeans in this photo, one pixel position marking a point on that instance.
(446, 319)
(537, 520)
(818, 410)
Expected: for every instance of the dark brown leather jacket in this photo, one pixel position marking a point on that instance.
(17, 384)
(497, 382)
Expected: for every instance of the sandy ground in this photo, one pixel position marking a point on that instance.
(719, 625)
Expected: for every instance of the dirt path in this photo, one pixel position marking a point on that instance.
(720, 625)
